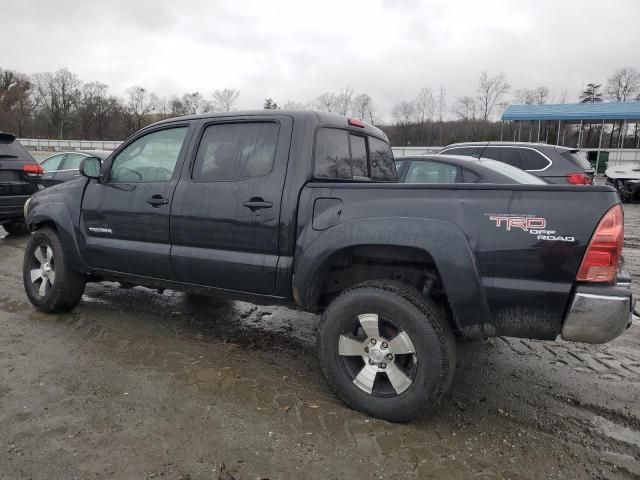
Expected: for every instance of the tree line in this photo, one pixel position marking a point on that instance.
(59, 105)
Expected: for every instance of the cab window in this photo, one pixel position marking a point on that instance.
(332, 156)
(150, 158)
(383, 167)
(232, 152)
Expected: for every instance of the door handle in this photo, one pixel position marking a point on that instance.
(256, 203)
(157, 200)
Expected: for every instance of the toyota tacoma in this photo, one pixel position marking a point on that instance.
(304, 208)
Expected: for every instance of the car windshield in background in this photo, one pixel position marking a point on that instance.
(512, 172)
(577, 157)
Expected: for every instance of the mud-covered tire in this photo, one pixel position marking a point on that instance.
(15, 227)
(403, 307)
(67, 287)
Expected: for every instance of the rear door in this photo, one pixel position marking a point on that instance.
(226, 211)
(125, 217)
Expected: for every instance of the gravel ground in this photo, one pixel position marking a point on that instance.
(136, 384)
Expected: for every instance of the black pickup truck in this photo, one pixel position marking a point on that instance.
(303, 208)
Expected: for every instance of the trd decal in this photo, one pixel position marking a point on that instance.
(528, 223)
(525, 223)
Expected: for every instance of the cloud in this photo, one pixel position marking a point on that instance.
(292, 50)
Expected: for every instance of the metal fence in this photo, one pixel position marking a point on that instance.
(60, 145)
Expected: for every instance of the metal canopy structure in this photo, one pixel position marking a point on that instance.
(574, 112)
(623, 112)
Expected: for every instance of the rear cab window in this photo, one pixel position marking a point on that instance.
(343, 155)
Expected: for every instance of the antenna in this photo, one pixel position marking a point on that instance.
(482, 151)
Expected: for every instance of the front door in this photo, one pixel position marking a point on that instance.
(125, 217)
(226, 211)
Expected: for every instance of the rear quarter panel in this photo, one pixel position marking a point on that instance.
(526, 276)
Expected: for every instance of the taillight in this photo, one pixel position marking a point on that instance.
(33, 170)
(579, 179)
(600, 262)
(354, 122)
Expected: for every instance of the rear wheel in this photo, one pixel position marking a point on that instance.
(15, 227)
(49, 281)
(386, 350)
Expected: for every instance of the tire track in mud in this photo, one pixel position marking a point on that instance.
(591, 359)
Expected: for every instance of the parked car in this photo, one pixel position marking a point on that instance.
(458, 169)
(62, 167)
(551, 163)
(19, 176)
(304, 208)
(625, 179)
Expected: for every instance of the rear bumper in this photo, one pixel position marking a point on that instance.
(599, 314)
(11, 206)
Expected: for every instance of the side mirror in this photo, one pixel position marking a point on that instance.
(91, 167)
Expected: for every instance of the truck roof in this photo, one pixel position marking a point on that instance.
(319, 118)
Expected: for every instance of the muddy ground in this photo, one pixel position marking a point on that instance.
(134, 384)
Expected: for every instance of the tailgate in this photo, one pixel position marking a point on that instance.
(13, 181)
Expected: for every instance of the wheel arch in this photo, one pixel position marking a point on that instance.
(435, 243)
(57, 216)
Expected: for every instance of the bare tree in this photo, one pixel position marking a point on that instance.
(363, 107)
(490, 93)
(91, 107)
(140, 103)
(623, 85)
(58, 95)
(224, 100)
(541, 95)
(425, 104)
(404, 114)
(524, 96)
(327, 102)
(292, 105)
(193, 103)
(441, 103)
(343, 101)
(563, 98)
(466, 108)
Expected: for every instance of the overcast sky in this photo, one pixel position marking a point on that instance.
(295, 50)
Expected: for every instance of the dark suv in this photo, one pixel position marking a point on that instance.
(19, 176)
(552, 163)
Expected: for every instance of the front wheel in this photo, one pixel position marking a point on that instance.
(386, 350)
(49, 281)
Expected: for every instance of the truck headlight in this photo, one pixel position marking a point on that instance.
(25, 208)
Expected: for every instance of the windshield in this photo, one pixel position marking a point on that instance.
(517, 175)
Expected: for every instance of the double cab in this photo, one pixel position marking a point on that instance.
(304, 208)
